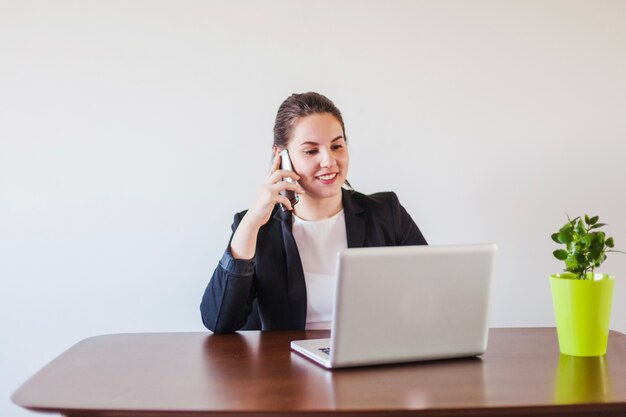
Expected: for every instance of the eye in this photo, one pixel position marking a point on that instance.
(310, 151)
(337, 147)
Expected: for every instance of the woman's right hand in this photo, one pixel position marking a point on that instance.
(243, 244)
(269, 194)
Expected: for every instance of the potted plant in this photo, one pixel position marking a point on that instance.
(581, 296)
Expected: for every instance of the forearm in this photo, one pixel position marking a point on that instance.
(243, 243)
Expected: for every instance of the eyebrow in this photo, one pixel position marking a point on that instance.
(316, 143)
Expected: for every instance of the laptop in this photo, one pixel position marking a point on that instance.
(407, 303)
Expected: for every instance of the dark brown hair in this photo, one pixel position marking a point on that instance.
(301, 105)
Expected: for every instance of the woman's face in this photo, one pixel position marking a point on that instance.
(319, 154)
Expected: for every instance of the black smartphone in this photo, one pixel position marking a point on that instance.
(285, 164)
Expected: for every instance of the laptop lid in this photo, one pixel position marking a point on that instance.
(409, 303)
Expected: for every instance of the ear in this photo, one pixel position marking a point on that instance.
(276, 150)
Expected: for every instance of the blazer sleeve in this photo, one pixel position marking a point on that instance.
(229, 296)
(407, 232)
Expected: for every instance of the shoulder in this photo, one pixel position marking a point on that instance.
(237, 219)
(377, 201)
(383, 197)
(239, 215)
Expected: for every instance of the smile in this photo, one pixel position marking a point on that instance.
(327, 177)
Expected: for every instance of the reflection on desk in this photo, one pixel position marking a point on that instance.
(582, 380)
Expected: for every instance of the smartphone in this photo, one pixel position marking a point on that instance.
(285, 164)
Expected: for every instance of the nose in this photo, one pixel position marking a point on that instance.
(327, 160)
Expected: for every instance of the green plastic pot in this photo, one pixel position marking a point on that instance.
(582, 309)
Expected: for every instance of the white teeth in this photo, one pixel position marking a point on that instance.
(327, 177)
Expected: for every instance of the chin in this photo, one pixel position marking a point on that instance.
(327, 193)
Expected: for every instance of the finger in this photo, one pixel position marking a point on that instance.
(275, 164)
(284, 185)
(285, 202)
(282, 173)
(298, 189)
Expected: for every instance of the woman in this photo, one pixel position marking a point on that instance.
(278, 272)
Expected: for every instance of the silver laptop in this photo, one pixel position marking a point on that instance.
(407, 303)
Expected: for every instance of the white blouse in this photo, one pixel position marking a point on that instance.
(318, 243)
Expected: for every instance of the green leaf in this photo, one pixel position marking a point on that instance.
(586, 219)
(593, 220)
(565, 234)
(555, 237)
(560, 254)
(580, 228)
(597, 245)
(596, 226)
(609, 242)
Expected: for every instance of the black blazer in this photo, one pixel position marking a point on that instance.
(268, 292)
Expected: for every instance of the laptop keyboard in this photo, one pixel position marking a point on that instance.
(325, 350)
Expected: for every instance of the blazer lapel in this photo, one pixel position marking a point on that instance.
(355, 224)
(296, 286)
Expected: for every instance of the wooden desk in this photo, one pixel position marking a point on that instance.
(255, 373)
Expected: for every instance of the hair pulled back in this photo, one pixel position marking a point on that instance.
(301, 105)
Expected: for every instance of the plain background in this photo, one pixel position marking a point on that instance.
(131, 131)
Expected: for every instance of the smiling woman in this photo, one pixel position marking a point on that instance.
(279, 269)
(318, 151)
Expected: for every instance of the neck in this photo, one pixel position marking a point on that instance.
(309, 208)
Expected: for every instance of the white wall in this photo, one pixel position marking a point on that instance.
(130, 132)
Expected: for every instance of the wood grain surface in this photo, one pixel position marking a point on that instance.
(256, 373)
